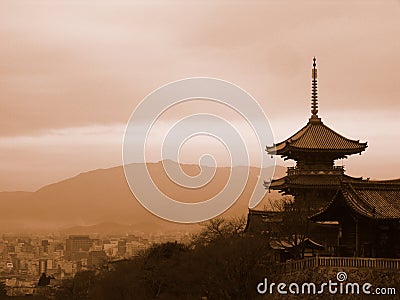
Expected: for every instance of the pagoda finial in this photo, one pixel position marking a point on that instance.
(314, 94)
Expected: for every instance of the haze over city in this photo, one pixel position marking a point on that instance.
(73, 72)
(199, 149)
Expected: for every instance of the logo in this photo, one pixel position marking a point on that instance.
(341, 276)
(328, 287)
(238, 124)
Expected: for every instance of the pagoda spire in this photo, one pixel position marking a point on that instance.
(314, 94)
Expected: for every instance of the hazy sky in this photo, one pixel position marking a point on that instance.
(73, 71)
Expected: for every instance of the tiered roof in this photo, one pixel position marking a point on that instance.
(310, 181)
(369, 199)
(315, 136)
(258, 219)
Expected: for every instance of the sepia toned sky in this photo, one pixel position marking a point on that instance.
(72, 72)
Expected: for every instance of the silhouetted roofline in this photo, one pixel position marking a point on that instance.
(371, 199)
(317, 137)
(328, 181)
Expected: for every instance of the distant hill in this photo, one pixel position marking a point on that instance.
(102, 196)
(110, 228)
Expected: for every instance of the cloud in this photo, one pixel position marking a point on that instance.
(31, 161)
(77, 64)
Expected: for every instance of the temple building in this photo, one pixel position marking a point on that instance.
(314, 148)
(350, 216)
(368, 214)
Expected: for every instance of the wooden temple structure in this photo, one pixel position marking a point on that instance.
(350, 216)
(368, 215)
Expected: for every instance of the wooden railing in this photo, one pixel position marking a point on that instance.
(338, 262)
(296, 265)
(335, 170)
(359, 262)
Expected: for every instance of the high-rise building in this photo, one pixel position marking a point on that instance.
(96, 258)
(122, 247)
(77, 247)
(45, 246)
(43, 266)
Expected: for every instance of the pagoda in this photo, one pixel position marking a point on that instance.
(346, 216)
(315, 148)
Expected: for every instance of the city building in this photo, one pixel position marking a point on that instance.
(77, 247)
(96, 258)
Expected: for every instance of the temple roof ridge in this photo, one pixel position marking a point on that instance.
(326, 180)
(368, 199)
(317, 136)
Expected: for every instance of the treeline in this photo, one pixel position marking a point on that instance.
(221, 262)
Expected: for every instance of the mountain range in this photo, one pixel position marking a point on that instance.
(103, 196)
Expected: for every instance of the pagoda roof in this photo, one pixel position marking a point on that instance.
(305, 243)
(371, 199)
(328, 181)
(258, 219)
(315, 136)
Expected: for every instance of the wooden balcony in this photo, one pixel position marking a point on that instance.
(336, 170)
